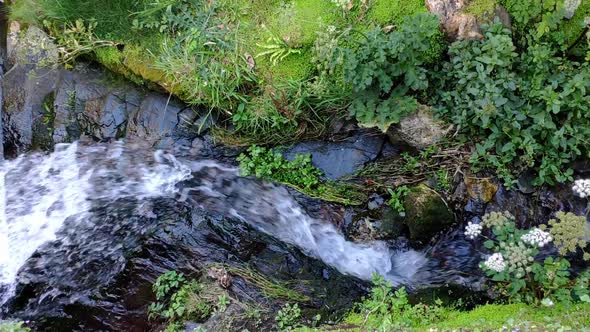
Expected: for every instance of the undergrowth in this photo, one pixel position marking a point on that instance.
(298, 174)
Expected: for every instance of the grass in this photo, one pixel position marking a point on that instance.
(490, 317)
(270, 288)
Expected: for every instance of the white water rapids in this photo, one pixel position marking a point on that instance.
(38, 192)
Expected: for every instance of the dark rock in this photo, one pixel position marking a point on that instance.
(426, 213)
(338, 159)
(98, 276)
(375, 201)
(156, 118)
(525, 182)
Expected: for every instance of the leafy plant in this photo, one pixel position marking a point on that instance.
(276, 48)
(528, 110)
(180, 299)
(385, 70)
(299, 174)
(443, 180)
(514, 266)
(389, 310)
(288, 317)
(397, 199)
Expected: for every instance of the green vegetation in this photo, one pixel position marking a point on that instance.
(389, 310)
(299, 174)
(9, 326)
(391, 64)
(288, 317)
(530, 109)
(180, 299)
(397, 197)
(514, 268)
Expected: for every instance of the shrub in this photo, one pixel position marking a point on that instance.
(517, 269)
(530, 111)
(385, 70)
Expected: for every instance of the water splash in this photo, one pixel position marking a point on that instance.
(38, 192)
(273, 211)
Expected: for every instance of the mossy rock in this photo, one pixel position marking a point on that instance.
(426, 213)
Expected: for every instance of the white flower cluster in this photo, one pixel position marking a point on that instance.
(473, 230)
(537, 237)
(495, 263)
(582, 188)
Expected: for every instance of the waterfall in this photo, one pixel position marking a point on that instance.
(40, 192)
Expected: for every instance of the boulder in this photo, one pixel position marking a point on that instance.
(426, 213)
(456, 24)
(419, 129)
(338, 159)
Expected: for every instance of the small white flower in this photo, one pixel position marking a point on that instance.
(473, 230)
(537, 237)
(495, 263)
(547, 302)
(582, 188)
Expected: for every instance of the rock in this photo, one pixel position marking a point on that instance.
(482, 189)
(338, 159)
(419, 129)
(570, 7)
(99, 277)
(156, 118)
(457, 25)
(386, 224)
(375, 201)
(426, 213)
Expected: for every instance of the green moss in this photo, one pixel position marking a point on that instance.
(426, 212)
(293, 67)
(299, 21)
(385, 12)
(574, 27)
(481, 8)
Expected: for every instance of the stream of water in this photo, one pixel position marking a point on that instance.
(40, 192)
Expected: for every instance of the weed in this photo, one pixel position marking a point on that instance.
(299, 174)
(288, 317)
(397, 199)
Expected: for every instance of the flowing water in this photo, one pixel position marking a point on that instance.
(41, 192)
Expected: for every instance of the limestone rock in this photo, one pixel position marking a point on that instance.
(456, 24)
(419, 129)
(426, 213)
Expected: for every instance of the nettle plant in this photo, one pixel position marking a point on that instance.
(386, 70)
(530, 109)
(516, 267)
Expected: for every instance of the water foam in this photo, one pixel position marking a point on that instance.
(38, 192)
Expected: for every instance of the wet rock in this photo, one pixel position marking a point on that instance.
(156, 118)
(338, 159)
(525, 182)
(419, 129)
(426, 213)
(366, 229)
(481, 189)
(375, 201)
(98, 276)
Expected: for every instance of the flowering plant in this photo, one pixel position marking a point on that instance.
(514, 265)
